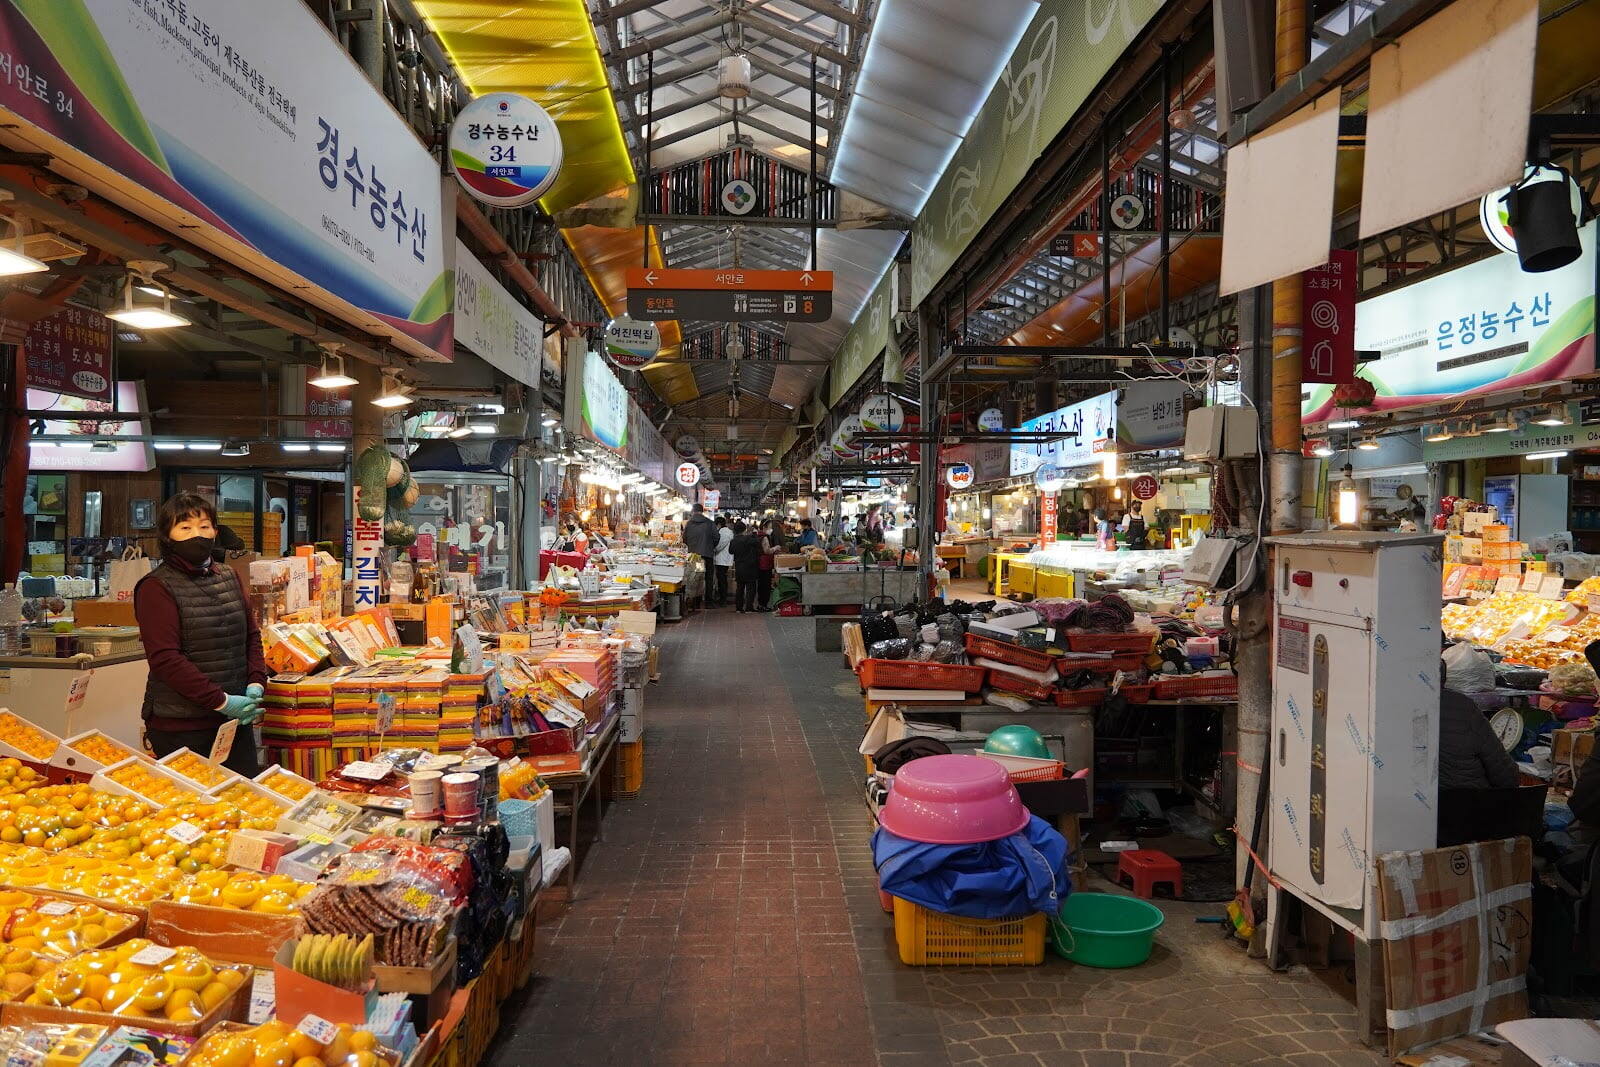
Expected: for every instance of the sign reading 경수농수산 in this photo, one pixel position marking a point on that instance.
(251, 119)
(1478, 329)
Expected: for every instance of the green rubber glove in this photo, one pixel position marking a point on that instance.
(243, 708)
(255, 691)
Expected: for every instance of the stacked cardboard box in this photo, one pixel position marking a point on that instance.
(597, 666)
(298, 708)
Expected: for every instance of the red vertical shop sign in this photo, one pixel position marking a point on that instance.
(71, 352)
(1047, 519)
(1328, 322)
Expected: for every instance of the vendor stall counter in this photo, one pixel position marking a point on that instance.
(111, 690)
(834, 588)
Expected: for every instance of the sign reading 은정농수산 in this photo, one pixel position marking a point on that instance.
(252, 121)
(1483, 328)
(71, 352)
(505, 149)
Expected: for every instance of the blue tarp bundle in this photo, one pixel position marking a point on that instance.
(1016, 875)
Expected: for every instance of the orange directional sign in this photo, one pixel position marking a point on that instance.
(730, 294)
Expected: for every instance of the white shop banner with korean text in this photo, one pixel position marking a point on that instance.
(1088, 429)
(251, 120)
(490, 322)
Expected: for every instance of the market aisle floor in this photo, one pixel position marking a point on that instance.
(731, 914)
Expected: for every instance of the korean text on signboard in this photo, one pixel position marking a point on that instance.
(1086, 430)
(1328, 325)
(71, 352)
(367, 589)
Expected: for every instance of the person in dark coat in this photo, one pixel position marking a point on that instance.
(1470, 755)
(700, 537)
(746, 551)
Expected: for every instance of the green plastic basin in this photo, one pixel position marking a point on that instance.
(1105, 930)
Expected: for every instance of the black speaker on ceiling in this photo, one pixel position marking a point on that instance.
(1540, 216)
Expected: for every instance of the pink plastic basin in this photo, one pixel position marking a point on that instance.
(953, 800)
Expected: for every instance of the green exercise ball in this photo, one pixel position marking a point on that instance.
(1017, 741)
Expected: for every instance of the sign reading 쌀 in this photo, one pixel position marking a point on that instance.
(688, 475)
(250, 124)
(505, 149)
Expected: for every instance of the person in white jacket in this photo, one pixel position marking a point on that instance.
(723, 562)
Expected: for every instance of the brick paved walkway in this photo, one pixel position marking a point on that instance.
(730, 915)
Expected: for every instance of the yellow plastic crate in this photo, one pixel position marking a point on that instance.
(929, 938)
(629, 773)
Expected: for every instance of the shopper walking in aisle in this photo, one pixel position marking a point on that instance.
(745, 551)
(201, 640)
(723, 559)
(771, 545)
(700, 537)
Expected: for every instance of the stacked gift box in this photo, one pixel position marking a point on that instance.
(597, 666)
(353, 708)
(298, 708)
(458, 710)
(417, 721)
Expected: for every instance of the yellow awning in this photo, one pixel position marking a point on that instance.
(547, 52)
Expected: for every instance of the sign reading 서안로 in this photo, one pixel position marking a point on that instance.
(251, 121)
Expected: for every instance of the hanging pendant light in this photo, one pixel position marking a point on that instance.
(733, 77)
(1348, 498)
(331, 374)
(140, 277)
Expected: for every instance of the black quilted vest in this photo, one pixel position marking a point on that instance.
(214, 629)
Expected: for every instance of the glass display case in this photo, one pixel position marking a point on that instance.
(466, 522)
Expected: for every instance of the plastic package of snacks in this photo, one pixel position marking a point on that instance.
(302, 1043)
(140, 980)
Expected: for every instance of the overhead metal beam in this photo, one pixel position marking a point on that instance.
(809, 45)
(781, 134)
(668, 77)
(628, 7)
(837, 12)
(766, 66)
(684, 30)
(689, 131)
(768, 100)
(678, 107)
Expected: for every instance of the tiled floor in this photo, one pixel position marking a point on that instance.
(731, 916)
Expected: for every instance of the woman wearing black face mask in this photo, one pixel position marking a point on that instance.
(200, 638)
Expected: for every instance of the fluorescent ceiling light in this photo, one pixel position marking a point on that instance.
(1344, 424)
(1438, 433)
(147, 318)
(330, 446)
(1323, 450)
(236, 448)
(205, 446)
(75, 445)
(393, 393)
(1500, 425)
(167, 446)
(460, 431)
(332, 373)
(14, 261)
(548, 420)
(1368, 444)
(479, 426)
(1556, 416)
(297, 446)
(1545, 455)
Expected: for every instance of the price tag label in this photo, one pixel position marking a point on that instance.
(185, 832)
(386, 703)
(1506, 583)
(419, 899)
(152, 955)
(367, 770)
(319, 839)
(511, 642)
(318, 1029)
(55, 907)
(263, 997)
(223, 745)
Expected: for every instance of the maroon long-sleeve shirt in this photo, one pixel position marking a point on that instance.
(162, 633)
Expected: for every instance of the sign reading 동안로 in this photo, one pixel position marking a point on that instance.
(490, 322)
(1087, 429)
(505, 149)
(255, 128)
(1482, 328)
(71, 352)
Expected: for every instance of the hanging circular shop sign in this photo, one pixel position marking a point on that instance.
(992, 420)
(1048, 478)
(1144, 487)
(505, 149)
(1494, 210)
(687, 444)
(1127, 211)
(688, 475)
(738, 197)
(631, 344)
(958, 476)
(882, 414)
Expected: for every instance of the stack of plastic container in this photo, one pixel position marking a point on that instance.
(955, 835)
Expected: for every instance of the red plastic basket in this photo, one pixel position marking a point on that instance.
(1041, 774)
(1144, 641)
(1180, 687)
(920, 674)
(1137, 694)
(1023, 687)
(1079, 698)
(1015, 655)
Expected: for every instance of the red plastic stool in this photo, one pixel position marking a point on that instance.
(1146, 868)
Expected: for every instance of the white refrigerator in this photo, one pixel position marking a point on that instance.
(1533, 505)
